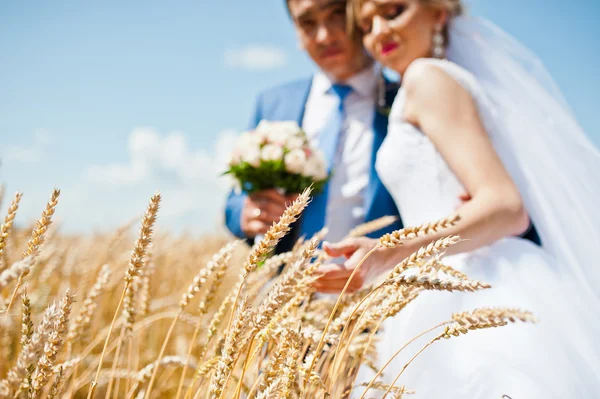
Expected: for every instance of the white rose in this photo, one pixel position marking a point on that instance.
(286, 128)
(250, 139)
(295, 161)
(263, 125)
(315, 168)
(277, 131)
(236, 157)
(293, 142)
(266, 131)
(321, 169)
(252, 156)
(271, 152)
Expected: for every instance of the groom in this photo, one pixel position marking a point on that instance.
(342, 109)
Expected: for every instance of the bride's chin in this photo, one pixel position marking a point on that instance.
(397, 66)
(395, 62)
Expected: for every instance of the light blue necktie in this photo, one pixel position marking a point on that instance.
(313, 218)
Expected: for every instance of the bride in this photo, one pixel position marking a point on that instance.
(477, 113)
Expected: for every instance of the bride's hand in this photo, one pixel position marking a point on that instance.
(334, 276)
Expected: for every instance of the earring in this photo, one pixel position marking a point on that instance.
(438, 42)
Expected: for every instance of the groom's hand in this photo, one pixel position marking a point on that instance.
(261, 209)
(335, 276)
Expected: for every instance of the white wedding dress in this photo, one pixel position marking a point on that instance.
(555, 358)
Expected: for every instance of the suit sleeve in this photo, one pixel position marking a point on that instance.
(235, 201)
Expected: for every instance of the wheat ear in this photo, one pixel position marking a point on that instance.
(476, 320)
(136, 262)
(89, 305)
(231, 346)
(31, 353)
(372, 226)
(15, 271)
(36, 240)
(7, 227)
(54, 343)
(398, 237)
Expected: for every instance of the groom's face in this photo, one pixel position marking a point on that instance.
(321, 29)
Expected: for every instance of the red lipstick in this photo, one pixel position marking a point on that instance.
(388, 47)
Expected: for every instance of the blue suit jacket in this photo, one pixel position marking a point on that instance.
(288, 102)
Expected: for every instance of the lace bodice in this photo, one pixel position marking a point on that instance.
(410, 166)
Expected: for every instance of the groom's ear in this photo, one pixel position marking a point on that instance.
(299, 42)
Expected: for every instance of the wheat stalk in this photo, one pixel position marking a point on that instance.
(90, 303)
(54, 342)
(6, 227)
(398, 237)
(16, 270)
(193, 288)
(26, 323)
(36, 240)
(31, 353)
(276, 232)
(221, 261)
(476, 320)
(136, 261)
(372, 226)
(144, 374)
(432, 280)
(423, 253)
(232, 345)
(211, 332)
(57, 385)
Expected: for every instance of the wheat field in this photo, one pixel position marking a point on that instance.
(139, 313)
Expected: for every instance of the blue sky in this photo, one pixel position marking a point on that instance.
(112, 100)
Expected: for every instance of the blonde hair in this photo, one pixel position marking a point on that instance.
(453, 7)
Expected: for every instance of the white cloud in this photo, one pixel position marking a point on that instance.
(256, 57)
(152, 156)
(101, 197)
(31, 153)
(189, 179)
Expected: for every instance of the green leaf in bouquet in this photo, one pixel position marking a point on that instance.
(272, 174)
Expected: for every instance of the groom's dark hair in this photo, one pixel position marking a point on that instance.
(287, 7)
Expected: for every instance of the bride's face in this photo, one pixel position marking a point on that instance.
(397, 32)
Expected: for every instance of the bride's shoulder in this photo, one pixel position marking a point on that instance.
(425, 72)
(427, 79)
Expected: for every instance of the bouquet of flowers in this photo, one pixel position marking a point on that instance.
(277, 155)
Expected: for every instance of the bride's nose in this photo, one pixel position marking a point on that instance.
(380, 27)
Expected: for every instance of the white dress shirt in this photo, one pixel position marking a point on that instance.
(352, 162)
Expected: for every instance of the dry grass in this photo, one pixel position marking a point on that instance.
(201, 318)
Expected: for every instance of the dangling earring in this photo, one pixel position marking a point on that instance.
(382, 106)
(438, 42)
